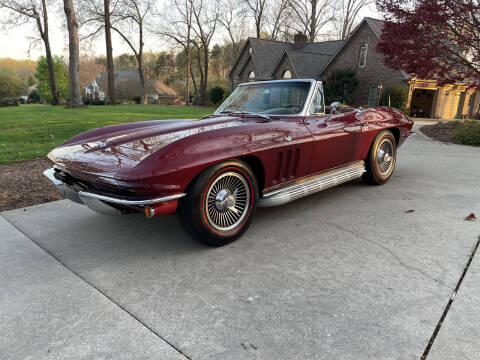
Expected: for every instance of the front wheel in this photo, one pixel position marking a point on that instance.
(220, 203)
(381, 159)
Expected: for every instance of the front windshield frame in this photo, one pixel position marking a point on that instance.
(303, 111)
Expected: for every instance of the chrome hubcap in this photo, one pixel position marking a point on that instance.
(228, 200)
(385, 157)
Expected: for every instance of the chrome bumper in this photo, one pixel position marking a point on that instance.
(98, 202)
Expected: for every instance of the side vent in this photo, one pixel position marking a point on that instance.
(287, 165)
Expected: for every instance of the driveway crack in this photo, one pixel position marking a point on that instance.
(389, 251)
(450, 302)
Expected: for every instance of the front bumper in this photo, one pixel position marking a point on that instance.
(103, 203)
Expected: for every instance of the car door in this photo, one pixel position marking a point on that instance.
(336, 137)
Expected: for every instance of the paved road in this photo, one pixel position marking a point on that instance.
(343, 274)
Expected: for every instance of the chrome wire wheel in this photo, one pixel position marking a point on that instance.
(228, 200)
(385, 157)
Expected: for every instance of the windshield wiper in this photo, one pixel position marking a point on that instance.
(239, 112)
(210, 116)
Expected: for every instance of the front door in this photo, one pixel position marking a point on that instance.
(336, 137)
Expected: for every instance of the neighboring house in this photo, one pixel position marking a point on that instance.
(127, 87)
(265, 60)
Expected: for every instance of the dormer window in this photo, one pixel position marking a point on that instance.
(287, 74)
(251, 76)
(362, 57)
(250, 51)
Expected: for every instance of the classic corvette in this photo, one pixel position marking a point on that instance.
(269, 143)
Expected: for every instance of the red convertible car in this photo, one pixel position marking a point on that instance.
(269, 143)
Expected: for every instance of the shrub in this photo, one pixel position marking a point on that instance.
(8, 102)
(340, 86)
(396, 97)
(94, 102)
(468, 133)
(34, 96)
(216, 94)
(226, 95)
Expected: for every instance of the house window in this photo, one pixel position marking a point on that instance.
(251, 76)
(362, 58)
(373, 96)
(287, 74)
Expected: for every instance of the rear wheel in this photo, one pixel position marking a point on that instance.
(381, 159)
(220, 203)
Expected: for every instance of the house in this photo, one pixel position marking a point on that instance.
(265, 59)
(127, 87)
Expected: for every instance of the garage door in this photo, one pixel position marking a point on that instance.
(450, 105)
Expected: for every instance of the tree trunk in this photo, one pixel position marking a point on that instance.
(74, 56)
(143, 98)
(205, 78)
(187, 89)
(139, 56)
(195, 89)
(313, 21)
(48, 53)
(110, 66)
(200, 71)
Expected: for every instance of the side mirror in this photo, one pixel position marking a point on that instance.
(335, 107)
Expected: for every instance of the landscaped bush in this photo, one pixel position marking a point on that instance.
(396, 97)
(34, 96)
(8, 102)
(468, 133)
(94, 102)
(216, 94)
(340, 86)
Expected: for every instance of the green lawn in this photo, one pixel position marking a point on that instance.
(30, 131)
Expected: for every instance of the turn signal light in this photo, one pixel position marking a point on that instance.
(149, 211)
(163, 208)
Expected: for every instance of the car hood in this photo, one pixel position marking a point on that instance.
(105, 150)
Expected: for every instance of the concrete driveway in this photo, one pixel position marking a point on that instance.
(343, 274)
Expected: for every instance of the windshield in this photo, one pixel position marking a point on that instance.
(275, 98)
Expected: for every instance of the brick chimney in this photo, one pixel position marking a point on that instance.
(299, 41)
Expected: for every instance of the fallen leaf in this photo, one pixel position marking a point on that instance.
(471, 217)
(410, 211)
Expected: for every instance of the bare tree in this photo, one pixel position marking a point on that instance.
(23, 11)
(133, 15)
(311, 16)
(257, 10)
(205, 21)
(194, 22)
(74, 55)
(278, 19)
(108, 45)
(347, 15)
(95, 16)
(176, 28)
(230, 17)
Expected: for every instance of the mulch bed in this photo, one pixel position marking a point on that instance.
(441, 132)
(23, 184)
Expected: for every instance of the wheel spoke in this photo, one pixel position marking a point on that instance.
(228, 200)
